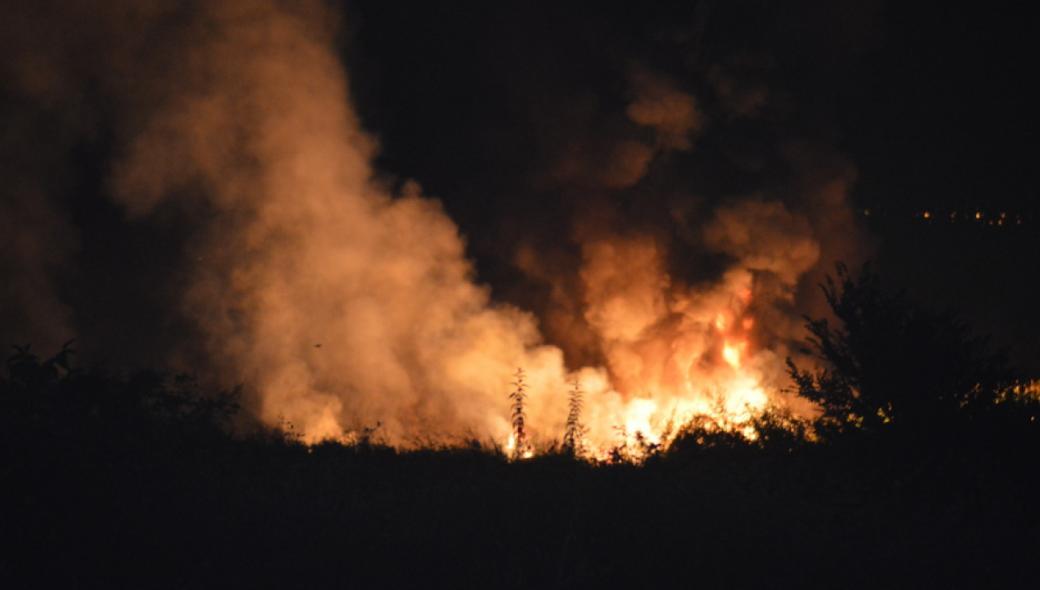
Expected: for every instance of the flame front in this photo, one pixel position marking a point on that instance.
(677, 352)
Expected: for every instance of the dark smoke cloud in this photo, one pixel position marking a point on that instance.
(680, 115)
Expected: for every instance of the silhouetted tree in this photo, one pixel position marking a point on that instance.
(891, 361)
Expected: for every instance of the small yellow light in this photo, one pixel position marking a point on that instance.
(927, 215)
(978, 215)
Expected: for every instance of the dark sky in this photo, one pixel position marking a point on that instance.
(934, 106)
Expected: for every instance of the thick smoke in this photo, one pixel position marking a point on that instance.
(692, 289)
(345, 304)
(694, 346)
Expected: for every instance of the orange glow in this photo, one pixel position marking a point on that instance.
(720, 322)
(731, 354)
(637, 419)
(510, 449)
(675, 353)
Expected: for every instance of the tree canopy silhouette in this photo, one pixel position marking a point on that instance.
(892, 362)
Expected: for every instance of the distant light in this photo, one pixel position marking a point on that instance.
(978, 215)
(866, 212)
(927, 215)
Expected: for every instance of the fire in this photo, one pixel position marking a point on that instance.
(731, 354)
(677, 353)
(720, 322)
(698, 359)
(510, 448)
(637, 420)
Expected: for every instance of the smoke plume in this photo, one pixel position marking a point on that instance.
(345, 302)
(342, 304)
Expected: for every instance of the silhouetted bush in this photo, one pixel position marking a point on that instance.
(891, 362)
(53, 399)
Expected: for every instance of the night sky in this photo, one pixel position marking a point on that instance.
(933, 106)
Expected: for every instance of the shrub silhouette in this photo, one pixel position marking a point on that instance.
(54, 396)
(891, 362)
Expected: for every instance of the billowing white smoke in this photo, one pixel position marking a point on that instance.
(344, 306)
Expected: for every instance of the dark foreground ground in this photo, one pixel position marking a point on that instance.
(104, 486)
